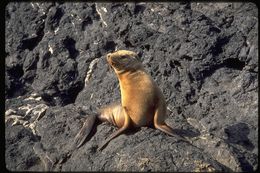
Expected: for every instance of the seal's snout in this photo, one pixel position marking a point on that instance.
(108, 57)
(109, 60)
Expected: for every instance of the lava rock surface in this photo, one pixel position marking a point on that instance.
(203, 56)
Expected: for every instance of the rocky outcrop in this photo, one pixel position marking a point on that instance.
(203, 56)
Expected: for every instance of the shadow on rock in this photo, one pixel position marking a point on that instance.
(237, 134)
(186, 133)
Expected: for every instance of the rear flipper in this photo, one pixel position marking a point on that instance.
(85, 130)
(119, 131)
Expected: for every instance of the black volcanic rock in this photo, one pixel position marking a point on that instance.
(203, 56)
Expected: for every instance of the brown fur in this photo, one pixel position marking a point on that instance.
(142, 102)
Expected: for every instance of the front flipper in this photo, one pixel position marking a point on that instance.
(119, 131)
(159, 123)
(85, 130)
(167, 129)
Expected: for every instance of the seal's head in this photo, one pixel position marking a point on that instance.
(123, 61)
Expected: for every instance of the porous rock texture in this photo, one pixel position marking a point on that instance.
(203, 56)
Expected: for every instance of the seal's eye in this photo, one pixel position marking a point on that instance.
(124, 57)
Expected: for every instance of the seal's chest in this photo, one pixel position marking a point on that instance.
(142, 120)
(140, 115)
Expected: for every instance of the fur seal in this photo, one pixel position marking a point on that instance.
(142, 102)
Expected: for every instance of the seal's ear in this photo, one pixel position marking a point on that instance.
(138, 55)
